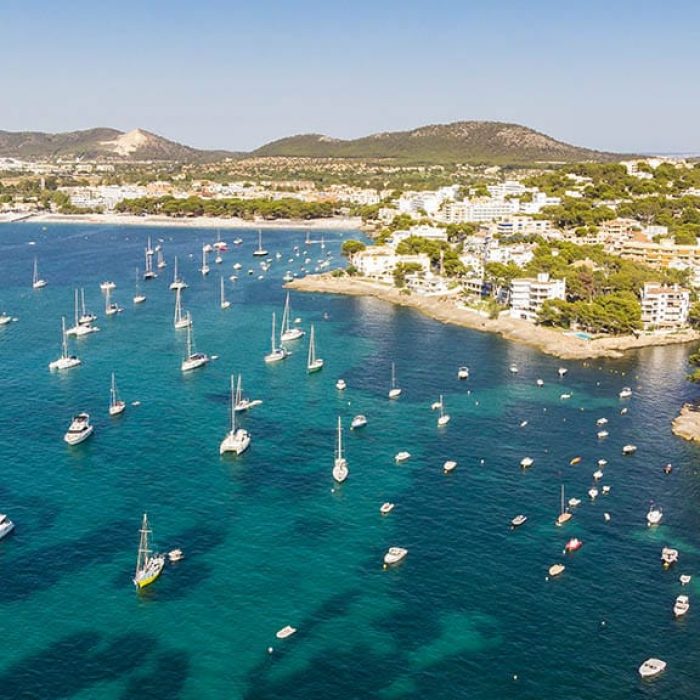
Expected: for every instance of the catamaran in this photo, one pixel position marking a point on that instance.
(237, 439)
(66, 361)
(180, 320)
(313, 363)
(260, 251)
(110, 307)
(394, 391)
(205, 267)
(287, 331)
(340, 465)
(177, 283)
(193, 359)
(276, 353)
(37, 282)
(148, 567)
(444, 418)
(149, 273)
(116, 405)
(139, 296)
(82, 326)
(224, 303)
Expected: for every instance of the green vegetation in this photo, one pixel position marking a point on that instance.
(439, 252)
(402, 269)
(351, 246)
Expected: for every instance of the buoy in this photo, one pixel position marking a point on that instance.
(270, 650)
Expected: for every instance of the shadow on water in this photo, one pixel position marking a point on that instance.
(165, 681)
(75, 663)
(40, 569)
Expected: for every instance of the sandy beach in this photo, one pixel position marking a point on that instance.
(548, 340)
(335, 223)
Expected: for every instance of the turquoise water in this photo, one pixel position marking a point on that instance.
(269, 541)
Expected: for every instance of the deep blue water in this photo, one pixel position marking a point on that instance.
(269, 541)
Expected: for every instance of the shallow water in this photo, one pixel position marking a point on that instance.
(270, 541)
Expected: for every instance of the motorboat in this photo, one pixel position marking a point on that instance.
(148, 565)
(562, 371)
(625, 393)
(386, 508)
(65, 361)
(237, 241)
(605, 490)
(593, 493)
(359, 421)
(574, 502)
(574, 461)
(449, 466)
(285, 632)
(218, 259)
(606, 517)
(526, 462)
(667, 469)
(602, 462)
(107, 286)
(518, 520)
(463, 373)
(623, 411)
(540, 382)
(193, 359)
(513, 369)
(629, 449)
(394, 555)
(6, 526)
(602, 434)
(652, 667)
(402, 456)
(394, 391)
(654, 515)
(669, 556)
(685, 579)
(340, 464)
(237, 439)
(565, 397)
(288, 276)
(79, 430)
(340, 385)
(175, 555)
(4, 319)
(208, 248)
(556, 569)
(573, 544)
(681, 606)
(601, 421)
(523, 423)
(598, 474)
(116, 405)
(237, 266)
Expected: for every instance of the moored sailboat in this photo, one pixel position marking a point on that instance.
(116, 405)
(177, 283)
(260, 251)
(65, 361)
(224, 303)
(394, 391)
(180, 320)
(564, 515)
(193, 359)
(237, 440)
(340, 464)
(313, 363)
(148, 566)
(276, 353)
(287, 331)
(37, 281)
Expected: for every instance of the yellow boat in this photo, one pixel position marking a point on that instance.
(148, 567)
(575, 460)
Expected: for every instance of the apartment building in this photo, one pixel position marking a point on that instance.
(664, 307)
(527, 295)
(379, 262)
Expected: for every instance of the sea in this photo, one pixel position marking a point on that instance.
(270, 540)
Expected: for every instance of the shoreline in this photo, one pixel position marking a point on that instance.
(335, 223)
(547, 340)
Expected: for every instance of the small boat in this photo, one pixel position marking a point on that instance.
(4, 319)
(565, 397)
(276, 354)
(242, 403)
(237, 440)
(237, 241)
(386, 508)
(402, 456)
(79, 430)
(6, 526)
(602, 434)
(602, 462)
(139, 296)
(597, 474)
(285, 632)
(193, 359)
(260, 251)
(313, 363)
(287, 331)
(111, 308)
(601, 421)
(340, 464)
(518, 520)
(629, 449)
(149, 247)
(444, 418)
(652, 667)
(394, 391)
(177, 283)
(540, 382)
(340, 385)
(394, 555)
(107, 286)
(654, 515)
(593, 493)
(513, 369)
(449, 466)
(148, 566)
(605, 490)
(205, 266)
(685, 579)
(288, 277)
(562, 371)
(668, 469)
(435, 406)
(669, 556)
(573, 544)
(116, 405)
(223, 302)
(564, 515)
(219, 244)
(556, 569)
(574, 461)
(526, 462)
(37, 282)
(237, 266)
(65, 361)
(574, 502)
(623, 411)
(606, 517)
(625, 393)
(523, 424)
(463, 373)
(359, 421)
(208, 248)
(218, 259)
(175, 555)
(681, 606)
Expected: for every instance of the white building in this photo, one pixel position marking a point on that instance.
(379, 262)
(664, 307)
(528, 294)
(428, 201)
(505, 189)
(427, 284)
(432, 233)
(478, 211)
(524, 225)
(539, 200)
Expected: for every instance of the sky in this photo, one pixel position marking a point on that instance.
(614, 75)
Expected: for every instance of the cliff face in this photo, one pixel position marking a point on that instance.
(686, 424)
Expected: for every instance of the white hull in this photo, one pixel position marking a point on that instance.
(315, 366)
(276, 356)
(139, 299)
(64, 363)
(174, 286)
(182, 323)
(81, 330)
(237, 442)
(194, 362)
(6, 528)
(117, 409)
(340, 470)
(292, 334)
(76, 438)
(395, 393)
(394, 556)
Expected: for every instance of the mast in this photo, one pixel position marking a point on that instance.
(340, 439)
(75, 299)
(148, 262)
(108, 294)
(562, 499)
(64, 343)
(312, 347)
(144, 551)
(178, 306)
(442, 407)
(82, 301)
(36, 271)
(175, 279)
(113, 392)
(285, 317)
(233, 408)
(239, 390)
(222, 291)
(272, 337)
(189, 336)
(393, 375)
(259, 239)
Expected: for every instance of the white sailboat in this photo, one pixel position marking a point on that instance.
(139, 296)
(313, 363)
(193, 359)
(149, 273)
(177, 283)
(241, 403)
(161, 260)
(86, 317)
(340, 464)
(110, 307)
(276, 353)
(66, 361)
(224, 303)
(205, 267)
(148, 567)
(394, 391)
(180, 320)
(564, 516)
(260, 251)
(116, 405)
(444, 418)
(149, 247)
(37, 282)
(4, 318)
(287, 331)
(82, 326)
(237, 439)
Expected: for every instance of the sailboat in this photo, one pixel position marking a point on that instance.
(116, 405)
(148, 567)
(237, 439)
(82, 325)
(161, 260)
(394, 392)
(340, 465)
(276, 353)
(85, 317)
(66, 361)
(260, 251)
(313, 363)
(224, 302)
(193, 359)
(177, 283)
(149, 247)
(180, 320)
(219, 244)
(287, 331)
(564, 516)
(444, 418)
(139, 296)
(240, 402)
(149, 272)
(205, 267)
(37, 282)
(110, 307)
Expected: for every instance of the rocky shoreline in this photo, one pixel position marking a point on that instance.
(686, 424)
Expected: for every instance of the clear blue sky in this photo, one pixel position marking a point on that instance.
(615, 75)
